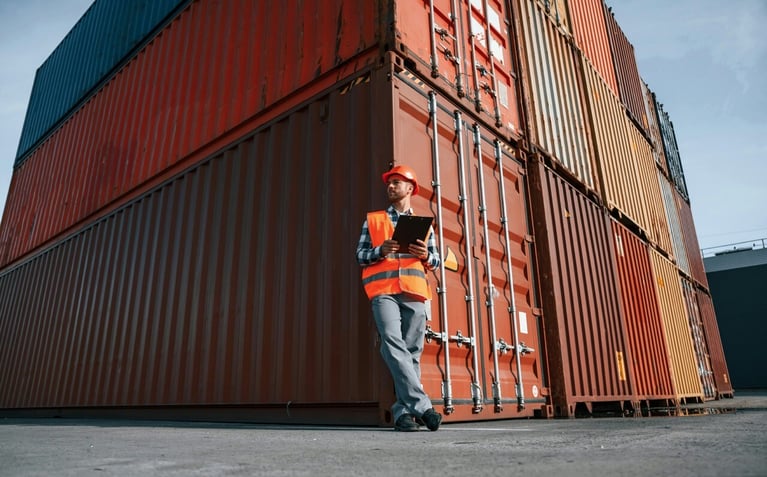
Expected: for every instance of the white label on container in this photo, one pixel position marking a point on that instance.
(477, 4)
(497, 50)
(493, 18)
(522, 322)
(503, 94)
(478, 31)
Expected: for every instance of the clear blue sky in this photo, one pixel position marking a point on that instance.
(705, 59)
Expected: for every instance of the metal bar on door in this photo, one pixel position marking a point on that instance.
(476, 392)
(447, 392)
(490, 290)
(519, 349)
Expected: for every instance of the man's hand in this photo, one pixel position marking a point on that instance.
(418, 249)
(389, 246)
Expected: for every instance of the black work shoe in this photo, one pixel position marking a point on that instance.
(432, 419)
(405, 423)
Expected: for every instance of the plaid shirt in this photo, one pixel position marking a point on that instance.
(367, 254)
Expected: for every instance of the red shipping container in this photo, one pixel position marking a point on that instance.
(207, 78)
(587, 348)
(231, 291)
(590, 32)
(651, 367)
(714, 344)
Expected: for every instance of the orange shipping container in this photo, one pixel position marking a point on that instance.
(590, 32)
(651, 367)
(588, 351)
(193, 88)
(690, 240)
(231, 291)
(684, 371)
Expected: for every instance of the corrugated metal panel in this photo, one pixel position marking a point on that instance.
(590, 31)
(190, 90)
(671, 151)
(653, 128)
(588, 351)
(702, 358)
(555, 109)
(651, 368)
(234, 283)
(107, 34)
(626, 71)
(647, 173)
(675, 225)
(690, 239)
(676, 326)
(714, 344)
(613, 151)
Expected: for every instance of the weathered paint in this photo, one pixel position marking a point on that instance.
(554, 92)
(671, 150)
(714, 343)
(702, 357)
(690, 240)
(653, 128)
(588, 352)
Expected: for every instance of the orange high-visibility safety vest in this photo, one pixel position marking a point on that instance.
(396, 273)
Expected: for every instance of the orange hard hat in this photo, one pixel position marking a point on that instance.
(405, 172)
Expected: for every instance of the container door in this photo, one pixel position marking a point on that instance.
(470, 364)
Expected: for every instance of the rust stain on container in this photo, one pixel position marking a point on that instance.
(554, 101)
(644, 328)
(590, 31)
(231, 289)
(653, 128)
(679, 344)
(714, 343)
(584, 325)
(201, 84)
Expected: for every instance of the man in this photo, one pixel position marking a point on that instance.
(395, 281)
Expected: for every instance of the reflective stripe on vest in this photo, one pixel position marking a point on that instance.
(397, 273)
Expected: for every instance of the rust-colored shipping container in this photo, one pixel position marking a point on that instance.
(626, 71)
(690, 240)
(684, 371)
(554, 92)
(588, 351)
(714, 343)
(651, 368)
(231, 289)
(590, 32)
(702, 357)
(653, 129)
(194, 87)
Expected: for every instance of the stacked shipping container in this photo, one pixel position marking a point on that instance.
(188, 231)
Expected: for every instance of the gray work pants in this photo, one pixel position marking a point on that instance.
(401, 322)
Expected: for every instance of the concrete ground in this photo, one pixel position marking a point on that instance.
(727, 437)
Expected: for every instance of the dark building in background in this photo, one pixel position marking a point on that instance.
(738, 283)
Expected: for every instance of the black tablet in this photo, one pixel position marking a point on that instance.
(411, 228)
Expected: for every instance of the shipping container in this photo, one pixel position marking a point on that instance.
(204, 78)
(721, 373)
(626, 168)
(671, 151)
(690, 240)
(651, 368)
(653, 129)
(702, 357)
(590, 32)
(106, 36)
(231, 289)
(679, 345)
(553, 92)
(626, 71)
(679, 254)
(587, 348)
